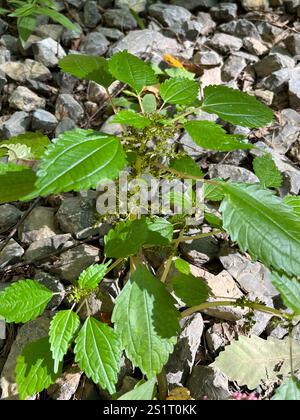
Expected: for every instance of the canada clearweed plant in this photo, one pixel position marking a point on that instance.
(155, 110)
(26, 13)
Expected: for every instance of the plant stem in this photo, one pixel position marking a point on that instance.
(291, 352)
(162, 385)
(114, 265)
(170, 259)
(111, 101)
(141, 104)
(199, 236)
(251, 305)
(185, 114)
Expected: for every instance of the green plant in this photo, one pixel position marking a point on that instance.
(26, 13)
(145, 319)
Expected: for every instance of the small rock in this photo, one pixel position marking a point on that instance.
(169, 16)
(38, 225)
(96, 93)
(192, 29)
(268, 32)
(250, 5)
(66, 124)
(136, 5)
(253, 277)
(70, 34)
(48, 52)
(207, 57)
(138, 43)
(50, 31)
(28, 333)
(9, 215)
(25, 100)
(11, 254)
(208, 382)
(66, 385)
(233, 67)
(42, 88)
(265, 96)
(111, 128)
(225, 44)
(43, 247)
(67, 106)
(4, 55)
(91, 14)
(224, 12)
(233, 173)
(119, 18)
(294, 90)
(3, 26)
(245, 28)
(288, 132)
(43, 121)
(228, 27)
(17, 124)
(291, 5)
(292, 44)
(30, 69)
(78, 217)
(110, 33)
(69, 265)
(199, 251)
(277, 81)
(272, 63)
(94, 44)
(254, 46)
(220, 334)
(208, 25)
(53, 284)
(76, 3)
(182, 359)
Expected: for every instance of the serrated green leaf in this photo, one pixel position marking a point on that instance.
(132, 119)
(98, 353)
(58, 17)
(131, 70)
(267, 172)
(236, 107)
(34, 369)
(87, 67)
(149, 103)
(289, 391)
(16, 152)
(191, 290)
(186, 165)
(294, 202)
(15, 182)
(63, 328)
(180, 73)
(151, 326)
(182, 266)
(79, 160)
(160, 231)
(262, 224)
(126, 238)
(92, 276)
(251, 360)
(213, 220)
(212, 136)
(142, 392)
(37, 143)
(179, 91)
(213, 192)
(24, 301)
(289, 289)
(26, 25)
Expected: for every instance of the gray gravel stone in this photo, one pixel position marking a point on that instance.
(254, 46)
(294, 90)
(3, 26)
(199, 251)
(225, 44)
(24, 99)
(291, 5)
(169, 16)
(233, 173)
(78, 216)
(196, 4)
(207, 57)
(52, 283)
(182, 359)
(11, 254)
(69, 34)
(5, 55)
(43, 247)
(91, 14)
(208, 382)
(119, 18)
(66, 385)
(17, 124)
(250, 5)
(50, 31)
(137, 5)
(233, 67)
(245, 28)
(94, 44)
(43, 121)
(9, 215)
(272, 63)
(48, 52)
(67, 106)
(38, 225)
(268, 32)
(138, 42)
(224, 12)
(66, 124)
(292, 43)
(30, 69)
(110, 33)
